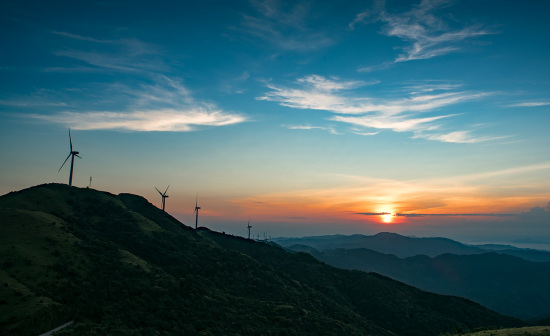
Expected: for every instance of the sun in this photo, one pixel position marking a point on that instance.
(387, 218)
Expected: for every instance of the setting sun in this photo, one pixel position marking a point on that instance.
(387, 218)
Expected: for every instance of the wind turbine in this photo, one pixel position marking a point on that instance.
(72, 153)
(164, 196)
(249, 227)
(196, 212)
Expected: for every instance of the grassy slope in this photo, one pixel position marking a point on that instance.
(526, 331)
(118, 265)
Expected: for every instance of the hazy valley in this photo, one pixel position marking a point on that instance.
(509, 280)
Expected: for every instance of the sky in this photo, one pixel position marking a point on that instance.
(425, 118)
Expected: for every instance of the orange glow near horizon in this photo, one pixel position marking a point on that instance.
(363, 200)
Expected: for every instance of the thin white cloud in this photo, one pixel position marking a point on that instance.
(430, 87)
(82, 38)
(361, 132)
(456, 137)
(125, 55)
(397, 124)
(401, 114)
(359, 18)
(29, 103)
(429, 36)
(284, 27)
(304, 127)
(321, 83)
(164, 106)
(331, 130)
(320, 94)
(530, 104)
(169, 120)
(504, 172)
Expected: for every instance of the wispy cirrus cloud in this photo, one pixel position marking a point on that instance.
(29, 103)
(123, 54)
(318, 93)
(429, 36)
(331, 130)
(321, 93)
(400, 114)
(166, 105)
(431, 87)
(362, 132)
(457, 137)
(170, 120)
(530, 104)
(158, 103)
(395, 123)
(284, 25)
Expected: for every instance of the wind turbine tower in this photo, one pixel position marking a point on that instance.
(249, 227)
(164, 196)
(72, 154)
(196, 212)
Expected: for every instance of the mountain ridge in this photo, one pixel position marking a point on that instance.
(508, 284)
(115, 264)
(403, 246)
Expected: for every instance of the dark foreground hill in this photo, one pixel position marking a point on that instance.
(117, 265)
(510, 285)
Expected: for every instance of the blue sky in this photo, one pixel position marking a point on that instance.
(299, 114)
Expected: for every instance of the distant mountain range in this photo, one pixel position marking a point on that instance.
(117, 265)
(402, 246)
(496, 278)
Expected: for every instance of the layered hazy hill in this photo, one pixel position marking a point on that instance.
(498, 279)
(115, 264)
(384, 242)
(402, 246)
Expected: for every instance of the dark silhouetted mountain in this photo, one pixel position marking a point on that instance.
(117, 265)
(401, 246)
(504, 283)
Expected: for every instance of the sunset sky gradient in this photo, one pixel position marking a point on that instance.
(311, 117)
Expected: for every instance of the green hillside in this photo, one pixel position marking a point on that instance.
(525, 331)
(117, 265)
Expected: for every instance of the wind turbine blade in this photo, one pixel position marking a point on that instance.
(77, 156)
(70, 140)
(166, 189)
(159, 191)
(64, 162)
